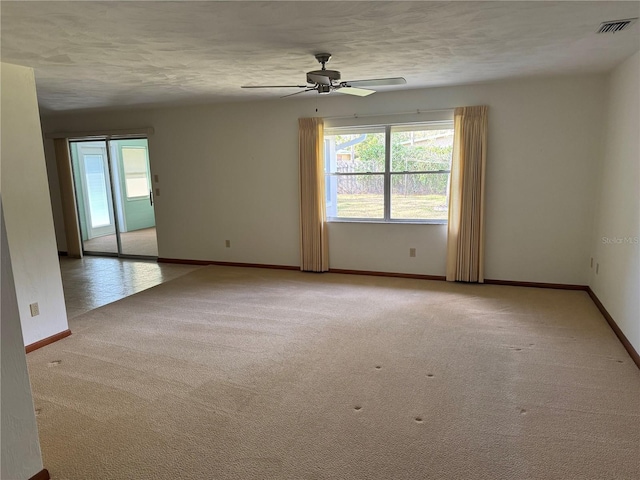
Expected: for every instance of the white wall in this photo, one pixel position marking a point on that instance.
(20, 458)
(27, 208)
(616, 246)
(230, 172)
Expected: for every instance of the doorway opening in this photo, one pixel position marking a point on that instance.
(112, 180)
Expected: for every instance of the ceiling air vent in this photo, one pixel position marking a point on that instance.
(615, 26)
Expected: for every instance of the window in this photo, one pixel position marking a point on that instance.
(389, 173)
(134, 162)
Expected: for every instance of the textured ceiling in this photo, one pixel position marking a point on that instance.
(109, 54)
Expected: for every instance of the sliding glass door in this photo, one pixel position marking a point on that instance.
(134, 198)
(114, 196)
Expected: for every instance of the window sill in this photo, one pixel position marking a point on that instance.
(387, 222)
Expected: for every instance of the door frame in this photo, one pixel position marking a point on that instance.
(111, 192)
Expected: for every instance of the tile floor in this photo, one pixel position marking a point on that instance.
(137, 242)
(91, 282)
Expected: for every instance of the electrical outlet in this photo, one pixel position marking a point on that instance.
(597, 268)
(227, 243)
(155, 178)
(591, 262)
(35, 309)
(412, 252)
(157, 192)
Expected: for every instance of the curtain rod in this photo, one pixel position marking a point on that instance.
(417, 111)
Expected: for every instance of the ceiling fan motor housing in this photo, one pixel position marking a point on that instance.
(332, 75)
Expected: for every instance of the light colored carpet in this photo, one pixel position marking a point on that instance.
(237, 373)
(136, 242)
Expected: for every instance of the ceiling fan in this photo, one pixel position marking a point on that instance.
(326, 81)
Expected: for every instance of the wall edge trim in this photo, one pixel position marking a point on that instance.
(47, 341)
(556, 286)
(226, 264)
(616, 329)
(415, 276)
(41, 475)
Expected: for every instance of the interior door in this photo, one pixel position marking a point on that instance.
(94, 170)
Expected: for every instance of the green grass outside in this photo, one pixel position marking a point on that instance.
(431, 207)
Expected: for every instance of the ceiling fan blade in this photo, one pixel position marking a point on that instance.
(376, 82)
(297, 93)
(273, 86)
(321, 79)
(359, 92)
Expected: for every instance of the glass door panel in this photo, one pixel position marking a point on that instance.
(133, 186)
(93, 194)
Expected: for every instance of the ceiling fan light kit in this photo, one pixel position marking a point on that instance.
(326, 81)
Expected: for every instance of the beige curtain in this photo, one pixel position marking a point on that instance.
(67, 195)
(314, 253)
(465, 241)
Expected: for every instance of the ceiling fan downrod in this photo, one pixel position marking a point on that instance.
(323, 58)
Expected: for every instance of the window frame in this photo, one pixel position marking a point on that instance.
(388, 173)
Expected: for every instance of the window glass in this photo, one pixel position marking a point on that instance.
(421, 150)
(96, 185)
(355, 152)
(357, 196)
(419, 196)
(134, 162)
